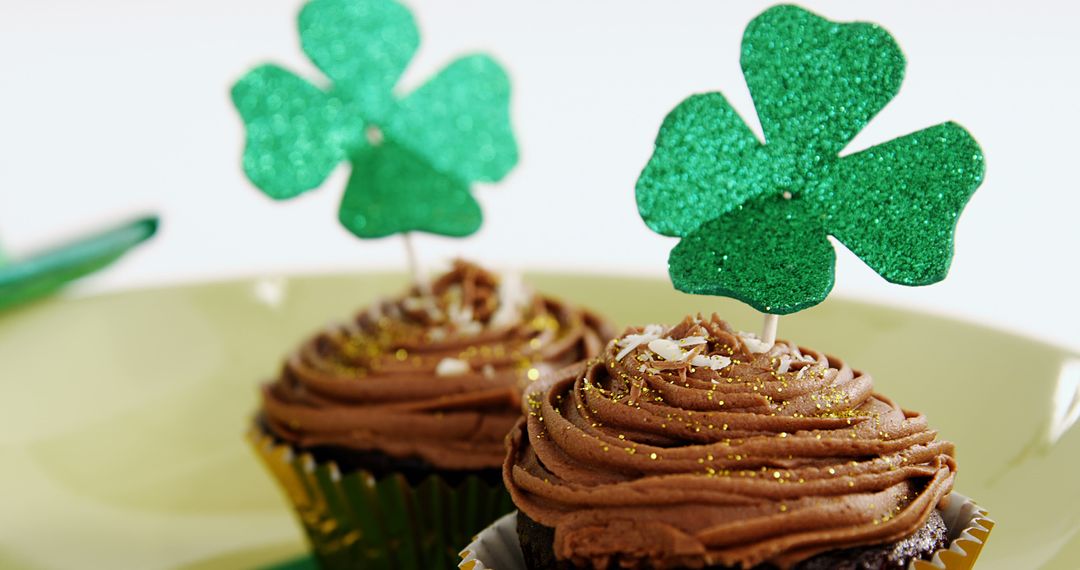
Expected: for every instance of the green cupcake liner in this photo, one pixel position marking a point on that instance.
(359, 521)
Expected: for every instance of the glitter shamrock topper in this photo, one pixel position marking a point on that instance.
(754, 218)
(413, 158)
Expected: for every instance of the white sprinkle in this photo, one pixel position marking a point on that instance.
(693, 341)
(470, 328)
(459, 315)
(632, 341)
(667, 349)
(375, 311)
(271, 291)
(654, 330)
(514, 298)
(715, 362)
(451, 367)
(421, 304)
(753, 343)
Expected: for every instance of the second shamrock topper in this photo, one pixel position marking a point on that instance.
(754, 217)
(413, 158)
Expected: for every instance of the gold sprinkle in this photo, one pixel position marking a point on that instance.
(533, 374)
(783, 508)
(776, 474)
(401, 354)
(832, 471)
(652, 456)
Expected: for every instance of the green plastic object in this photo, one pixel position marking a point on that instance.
(413, 158)
(754, 216)
(46, 272)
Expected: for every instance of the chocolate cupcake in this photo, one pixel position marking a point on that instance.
(388, 431)
(699, 447)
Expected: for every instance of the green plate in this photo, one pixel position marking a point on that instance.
(122, 416)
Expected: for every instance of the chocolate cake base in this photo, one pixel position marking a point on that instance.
(537, 546)
(379, 464)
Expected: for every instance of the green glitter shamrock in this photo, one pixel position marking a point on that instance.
(754, 218)
(413, 158)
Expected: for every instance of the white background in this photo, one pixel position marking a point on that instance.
(116, 107)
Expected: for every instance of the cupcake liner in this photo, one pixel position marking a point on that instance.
(496, 547)
(969, 526)
(357, 520)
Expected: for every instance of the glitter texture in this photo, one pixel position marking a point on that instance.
(755, 217)
(382, 175)
(413, 158)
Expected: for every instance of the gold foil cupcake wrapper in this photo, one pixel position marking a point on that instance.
(357, 520)
(497, 548)
(969, 526)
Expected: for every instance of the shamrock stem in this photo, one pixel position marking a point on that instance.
(768, 330)
(418, 275)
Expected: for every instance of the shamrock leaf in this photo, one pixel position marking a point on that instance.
(297, 134)
(754, 217)
(383, 174)
(413, 158)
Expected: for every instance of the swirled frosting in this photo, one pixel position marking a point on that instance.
(435, 376)
(697, 446)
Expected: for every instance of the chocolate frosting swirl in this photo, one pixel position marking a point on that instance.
(436, 377)
(699, 446)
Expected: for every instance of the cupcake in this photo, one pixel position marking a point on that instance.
(387, 432)
(696, 446)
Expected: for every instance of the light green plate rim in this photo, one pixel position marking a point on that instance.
(123, 415)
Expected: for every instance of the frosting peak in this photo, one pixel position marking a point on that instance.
(692, 446)
(435, 376)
